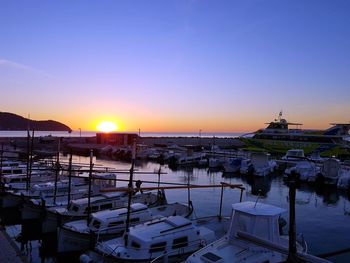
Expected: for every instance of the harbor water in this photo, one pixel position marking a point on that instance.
(322, 214)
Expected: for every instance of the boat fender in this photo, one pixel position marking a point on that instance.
(85, 259)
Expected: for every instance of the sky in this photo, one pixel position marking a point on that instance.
(176, 66)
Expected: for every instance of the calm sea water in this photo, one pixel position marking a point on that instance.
(90, 134)
(322, 215)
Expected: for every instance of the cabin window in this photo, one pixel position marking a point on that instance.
(135, 219)
(157, 247)
(262, 228)
(243, 223)
(180, 242)
(96, 224)
(136, 245)
(106, 206)
(112, 224)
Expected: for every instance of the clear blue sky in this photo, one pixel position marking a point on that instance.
(176, 65)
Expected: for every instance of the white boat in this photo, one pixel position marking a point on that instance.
(344, 179)
(19, 181)
(232, 165)
(168, 239)
(107, 224)
(306, 171)
(191, 159)
(262, 166)
(246, 167)
(253, 237)
(42, 191)
(78, 209)
(330, 171)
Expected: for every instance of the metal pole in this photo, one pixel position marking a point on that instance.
(127, 225)
(70, 175)
(89, 192)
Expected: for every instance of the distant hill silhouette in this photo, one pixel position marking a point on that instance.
(13, 122)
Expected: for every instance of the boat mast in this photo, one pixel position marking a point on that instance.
(130, 193)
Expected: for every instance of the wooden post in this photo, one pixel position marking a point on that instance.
(130, 193)
(89, 191)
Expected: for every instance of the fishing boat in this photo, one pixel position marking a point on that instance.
(232, 165)
(14, 198)
(306, 171)
(253, 237)
(79, 235)
(262, 166)
(79, 208)
(169, 239)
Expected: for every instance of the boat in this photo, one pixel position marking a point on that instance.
(246, 167)
(279, 134)
(169, 239)
(306, 171)
(330, 171)
(45, 190)
(253, 237)
(262, 166)
(232, 165)
(193, 159)
(78, 235)
(78, 208)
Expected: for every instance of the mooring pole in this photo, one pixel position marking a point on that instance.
(70, 175)
(28, 160)
(1, 160)
(292, 255)
(89, 191)
(57, 170)
(31, 158)
(221, 198)
(130, 193)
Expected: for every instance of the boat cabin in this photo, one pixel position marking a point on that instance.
(256, 219)
(116, 218)
(97, 203)
(173, 235)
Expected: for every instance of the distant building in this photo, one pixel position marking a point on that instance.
(114, 138)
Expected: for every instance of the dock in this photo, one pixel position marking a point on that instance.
(9, 252)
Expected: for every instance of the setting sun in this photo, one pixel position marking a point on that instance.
(107, 126)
